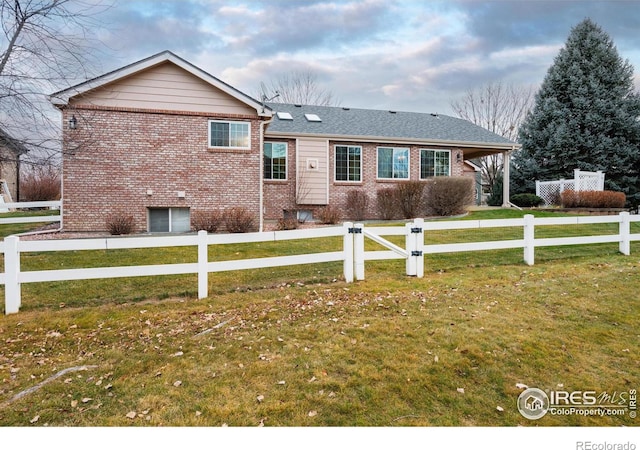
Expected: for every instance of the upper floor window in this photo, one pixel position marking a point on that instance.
(435, 163)
(348, 163)
(393, 163)
(229, 134)
(275, 160)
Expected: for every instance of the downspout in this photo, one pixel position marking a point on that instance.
(262, 130)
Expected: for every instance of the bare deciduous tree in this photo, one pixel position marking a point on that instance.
(300, 87)
(499, 108)
(44, 45)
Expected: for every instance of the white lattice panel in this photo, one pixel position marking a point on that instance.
(589, 181)
(550, 191)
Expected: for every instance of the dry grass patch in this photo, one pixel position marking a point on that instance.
(391, 351)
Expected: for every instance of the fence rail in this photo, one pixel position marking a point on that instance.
(6, 207)
(352, 255)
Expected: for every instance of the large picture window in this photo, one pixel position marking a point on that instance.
(348, 163)
(393, 163)
(435, 163)
(275, 161)
(229, 134)
(169, 220)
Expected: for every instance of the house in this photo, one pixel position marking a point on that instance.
(161, 139)
(474, 171)
(10, 151)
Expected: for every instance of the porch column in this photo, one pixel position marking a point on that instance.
(506, 166)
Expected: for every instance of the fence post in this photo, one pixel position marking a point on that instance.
(529, 239)
(12, 289)
(348, 252)
(625, 233)
(419, 247)
(600, 180)
(538, 188)
(203, 261)
(410, 245)
(358, 250)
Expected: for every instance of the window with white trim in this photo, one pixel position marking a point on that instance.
(275, 160)
(393, 163)
(348, 161)
(169, 220)
(435, 163)
(229, 134)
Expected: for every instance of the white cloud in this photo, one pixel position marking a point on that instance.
(514, 55)
(392, 54)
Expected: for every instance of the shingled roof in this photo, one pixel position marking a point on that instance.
(12, 144)
(379, 125)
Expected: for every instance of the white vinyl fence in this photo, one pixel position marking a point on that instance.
(6, 207)
(550, 191)
(353, 254)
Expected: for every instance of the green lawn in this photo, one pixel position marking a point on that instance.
(299, 347)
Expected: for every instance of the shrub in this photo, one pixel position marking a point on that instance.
(238, 220)
(526, 200)
(40, 184)
(208, 221)
(410, 198)
(386, 203)
(449, 196)
(357, 202)
(329, 215)
(120, 224)
(495, 198)
(287, 224)
(593, 199)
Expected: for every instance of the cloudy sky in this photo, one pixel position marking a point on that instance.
(387, 54)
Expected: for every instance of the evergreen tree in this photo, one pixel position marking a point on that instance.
(586, 116)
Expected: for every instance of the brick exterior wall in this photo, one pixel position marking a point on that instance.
(125, 161)
(280, 195)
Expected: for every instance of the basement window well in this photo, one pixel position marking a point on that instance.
(169, 220)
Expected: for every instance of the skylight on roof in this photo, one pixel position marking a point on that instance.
(284, 115)
(313, 118)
